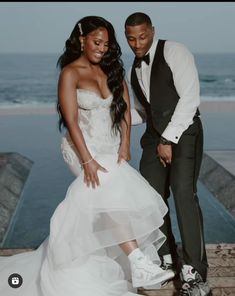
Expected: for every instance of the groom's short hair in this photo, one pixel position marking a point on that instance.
(138, 18)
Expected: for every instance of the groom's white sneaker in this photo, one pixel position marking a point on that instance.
(145, 273)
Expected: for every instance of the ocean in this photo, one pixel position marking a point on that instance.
(31, 79)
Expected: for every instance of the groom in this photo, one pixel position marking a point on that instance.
(165, 83)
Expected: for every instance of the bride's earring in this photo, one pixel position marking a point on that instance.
(82, 47)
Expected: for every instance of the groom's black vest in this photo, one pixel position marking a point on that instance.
(163, 95)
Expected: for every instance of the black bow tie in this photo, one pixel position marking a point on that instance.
(137, 62)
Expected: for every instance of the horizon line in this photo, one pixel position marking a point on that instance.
(55, 53)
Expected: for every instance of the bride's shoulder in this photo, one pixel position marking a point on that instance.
(71, 72)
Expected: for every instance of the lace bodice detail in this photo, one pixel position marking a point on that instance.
(95, 122)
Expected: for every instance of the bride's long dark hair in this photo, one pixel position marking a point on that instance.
(111, 64)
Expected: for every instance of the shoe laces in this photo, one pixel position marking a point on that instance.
(166, 266)
(188, 287)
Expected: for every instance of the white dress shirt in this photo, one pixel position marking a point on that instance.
(186, 81)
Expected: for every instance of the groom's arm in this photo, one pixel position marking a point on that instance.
(186, 81)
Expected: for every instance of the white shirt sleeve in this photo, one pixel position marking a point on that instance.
(186, 81)
(138, 114)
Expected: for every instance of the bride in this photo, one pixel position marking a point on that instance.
(104, 235)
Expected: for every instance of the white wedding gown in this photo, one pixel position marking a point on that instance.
(81, 256)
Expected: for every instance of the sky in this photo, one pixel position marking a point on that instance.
(43, 27)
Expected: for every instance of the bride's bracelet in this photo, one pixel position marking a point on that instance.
(86, 162)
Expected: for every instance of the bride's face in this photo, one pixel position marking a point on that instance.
(95, 45)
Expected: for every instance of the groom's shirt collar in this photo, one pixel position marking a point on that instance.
(152, 50)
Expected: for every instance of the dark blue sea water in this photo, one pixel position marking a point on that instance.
(31, 79)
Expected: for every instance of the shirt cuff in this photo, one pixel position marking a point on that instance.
(173, 134)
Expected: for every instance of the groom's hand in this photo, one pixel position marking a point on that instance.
(165, 154)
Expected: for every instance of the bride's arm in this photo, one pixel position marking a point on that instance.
(124, 150)
(68, 103)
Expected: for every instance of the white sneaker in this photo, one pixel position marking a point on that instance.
(169, 275)
(167, 265)
(145, 273)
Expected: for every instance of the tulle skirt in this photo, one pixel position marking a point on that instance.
(82, 255)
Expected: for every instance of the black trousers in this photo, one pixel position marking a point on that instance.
(181, 177)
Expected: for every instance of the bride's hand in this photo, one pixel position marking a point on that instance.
(124, 154)
(90, 173)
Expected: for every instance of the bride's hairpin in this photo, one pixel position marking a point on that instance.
(80, 28)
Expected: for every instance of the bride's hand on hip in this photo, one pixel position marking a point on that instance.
(90, 173)
(124, 154)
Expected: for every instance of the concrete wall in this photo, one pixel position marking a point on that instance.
(219, 181)
(14, 170)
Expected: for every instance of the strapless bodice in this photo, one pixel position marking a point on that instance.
(88, 100)
(95, 122)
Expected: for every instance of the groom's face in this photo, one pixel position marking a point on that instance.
(140, 38)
